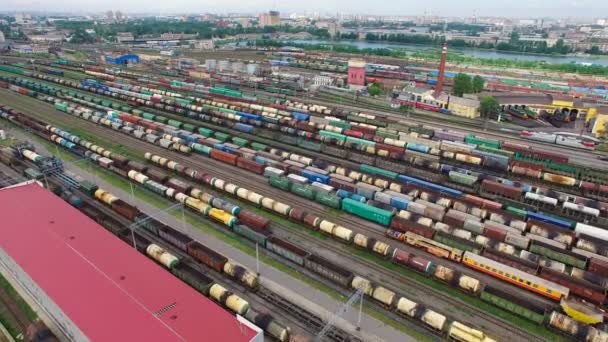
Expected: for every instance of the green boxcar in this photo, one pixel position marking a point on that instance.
(258, 146)
(88, 187)
(197, 280)
(200, 148)
(338, 136)
(369, 212)
(471, 139)
(562, 168)
(461, 178)
(341, 124)
(516, 211)
(61, 106)
(512, 307)
(505, 153)
(240, 141)
(137, 112)
(309, 145)
(279, 182)
(189, 127)
(32, 174)
(328, 200)
(378, 171)
(561, 257)
(360, 141)
(205, 132)
(303, 191)
(149, 116)
(162, 119)
(125, 108)
(385, 134)
(251, 234)
(154, 189)
(221, 136)
(106, 103)
(175, 123)
(116, 105)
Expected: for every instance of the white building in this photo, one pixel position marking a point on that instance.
(322, 80)
(206, 44)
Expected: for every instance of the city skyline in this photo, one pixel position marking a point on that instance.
(446, 8)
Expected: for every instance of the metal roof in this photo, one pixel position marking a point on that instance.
(106, 288)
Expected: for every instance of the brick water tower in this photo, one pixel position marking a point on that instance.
(356, 74)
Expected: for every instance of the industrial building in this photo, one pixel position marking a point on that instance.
(272, 18)
(88, 285)
(467, 106)
(122, 60)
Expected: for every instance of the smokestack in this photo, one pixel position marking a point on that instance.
(444, 55)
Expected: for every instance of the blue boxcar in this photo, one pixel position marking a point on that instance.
(300, 116)
(243, 127)
(315, 177)
(445, 169)
(399, 203)
(250, 116)
(429, 185)
(418, 147)
(550, 219)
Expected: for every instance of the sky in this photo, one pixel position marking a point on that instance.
(508, 8)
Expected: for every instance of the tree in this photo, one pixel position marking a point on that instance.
(488, 105)
(374, 89)
(595, 50)
(514, 37)
(462, 84)
(477, 84)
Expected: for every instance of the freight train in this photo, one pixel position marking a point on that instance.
(403, 305)
(295, 254)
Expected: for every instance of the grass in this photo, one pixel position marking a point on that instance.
(21, 304)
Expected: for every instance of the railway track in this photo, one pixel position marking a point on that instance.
(262, 296)
(409, 169)
(241, 176)
(419, 117)
(258, 184)
(15, 315)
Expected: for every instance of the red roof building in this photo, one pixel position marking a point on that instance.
(96, 287)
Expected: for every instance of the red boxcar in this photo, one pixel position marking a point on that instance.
(253, 220)
(403, 225)
(207, 256)
(250, 165)
(578, 287)
(223, 156)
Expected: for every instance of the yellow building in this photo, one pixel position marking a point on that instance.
(467, 106)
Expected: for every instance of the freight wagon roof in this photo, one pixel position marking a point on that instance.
(102, 285)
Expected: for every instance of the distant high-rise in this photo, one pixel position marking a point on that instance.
(1, 37)
(118, 15)
(272, 18)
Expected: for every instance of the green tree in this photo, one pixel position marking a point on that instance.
(488, 105)
(462, 84)
(477, 84)
(595, 50)
(374, 89)
(514, 37)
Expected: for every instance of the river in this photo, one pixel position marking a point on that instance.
(488, 54)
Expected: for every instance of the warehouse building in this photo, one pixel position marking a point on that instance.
(122, 60)
(88, 285)
(467, 106)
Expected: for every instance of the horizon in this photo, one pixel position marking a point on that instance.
(557, 9)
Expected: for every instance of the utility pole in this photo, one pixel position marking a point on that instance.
(357, 295)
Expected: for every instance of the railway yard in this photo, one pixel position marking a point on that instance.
(315, 219)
